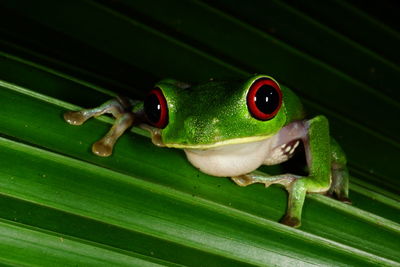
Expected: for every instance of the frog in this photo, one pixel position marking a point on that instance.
(230, 129)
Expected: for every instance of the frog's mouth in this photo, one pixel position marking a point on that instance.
(157, 140)
(234, 141)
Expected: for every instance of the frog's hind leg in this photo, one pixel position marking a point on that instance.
(119, 108)
(293, 184)
(340, 176)
(316, 142)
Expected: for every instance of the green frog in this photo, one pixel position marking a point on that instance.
(229, 129)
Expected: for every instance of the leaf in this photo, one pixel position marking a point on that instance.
(144, 205)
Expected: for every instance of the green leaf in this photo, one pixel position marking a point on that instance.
(144, 205)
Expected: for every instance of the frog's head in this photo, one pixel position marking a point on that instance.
(215, 113)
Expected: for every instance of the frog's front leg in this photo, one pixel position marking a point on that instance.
(120, 108)
(316, 141)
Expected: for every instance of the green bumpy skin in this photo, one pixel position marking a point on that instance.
(205, 115)
(212, 123)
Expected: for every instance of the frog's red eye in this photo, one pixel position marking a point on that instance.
(264, 99)
(156, 109)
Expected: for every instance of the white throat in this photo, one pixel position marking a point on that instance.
(231, 160)
(238, 159)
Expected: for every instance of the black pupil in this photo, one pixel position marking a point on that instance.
(152, 108)
(267, 99)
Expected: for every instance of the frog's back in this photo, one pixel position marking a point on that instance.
(293, 107)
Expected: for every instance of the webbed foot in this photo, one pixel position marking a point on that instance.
(75, 117)
(339, 188)
(291, 221)
(104, 146)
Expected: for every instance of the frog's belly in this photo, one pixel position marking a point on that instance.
(237, 159)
